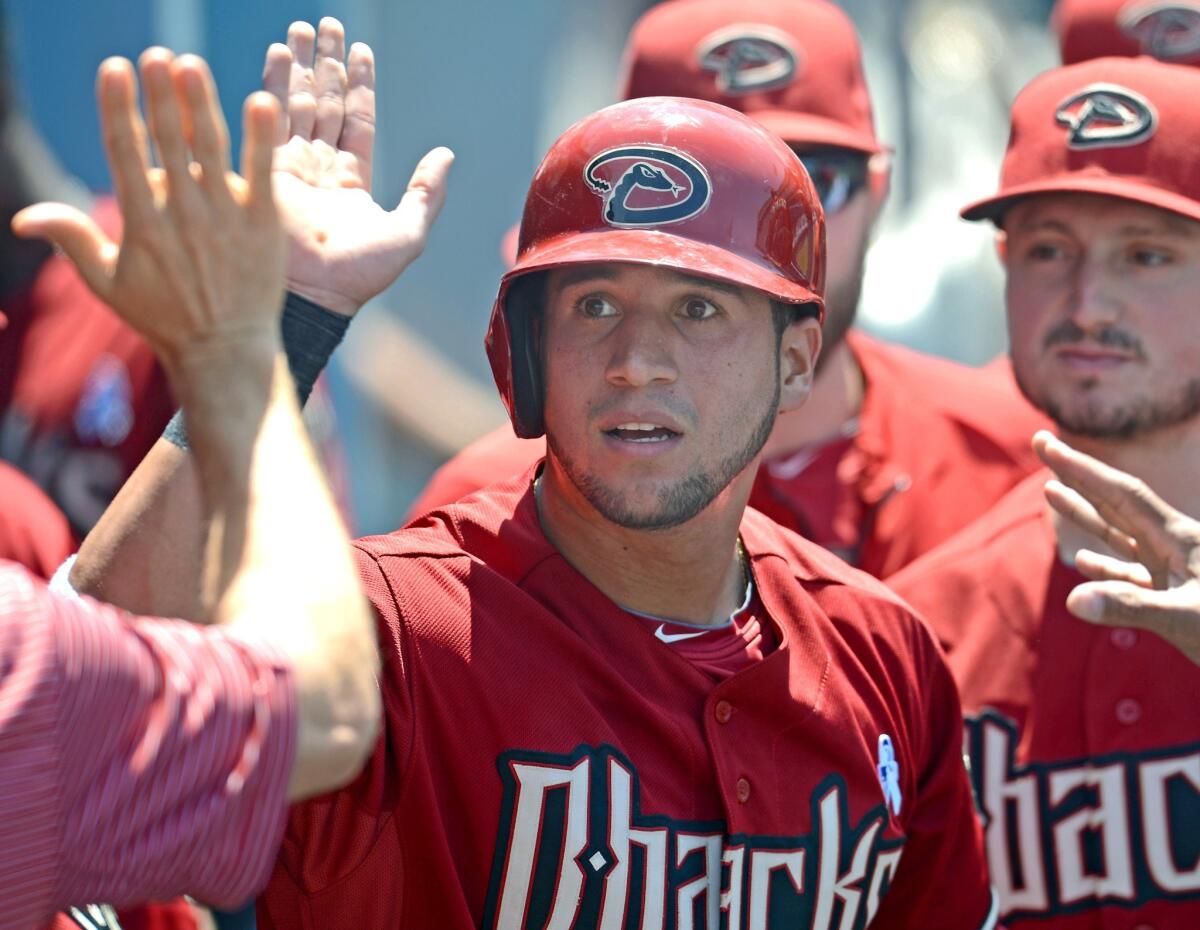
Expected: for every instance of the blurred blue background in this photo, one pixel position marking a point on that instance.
(497, 83)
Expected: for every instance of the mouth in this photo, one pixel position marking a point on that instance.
(642, 433)
(1092, 359)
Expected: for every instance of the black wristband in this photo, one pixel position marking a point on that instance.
(310, 335)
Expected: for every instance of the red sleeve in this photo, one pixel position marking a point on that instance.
(140, 758)
(33, 531)
(944, 835)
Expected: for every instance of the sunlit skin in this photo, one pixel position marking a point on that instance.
(651, 515)
(1103, 300)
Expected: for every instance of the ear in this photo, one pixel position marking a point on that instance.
(1002, 247)
(879, 181)
(798, 352)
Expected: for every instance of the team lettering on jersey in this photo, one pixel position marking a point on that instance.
(1068, 836)
(575, 851)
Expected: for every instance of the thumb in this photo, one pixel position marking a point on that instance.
(426, 193)
(78, 236)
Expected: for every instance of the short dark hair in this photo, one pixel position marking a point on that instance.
(784, 315)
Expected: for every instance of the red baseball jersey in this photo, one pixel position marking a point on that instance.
(934, 446)
(546, 761)
(33, 531)
(1084, 740)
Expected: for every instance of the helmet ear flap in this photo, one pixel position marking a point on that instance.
(523, 310)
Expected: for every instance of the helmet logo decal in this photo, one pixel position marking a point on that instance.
(1168, 31)
(648, 185)
(1106, 116)
(748, 58)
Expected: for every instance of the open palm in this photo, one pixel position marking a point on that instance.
(343, 247)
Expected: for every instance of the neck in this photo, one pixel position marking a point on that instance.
(1168, 461)
(29, 174)
(835, 399)
(692, 573)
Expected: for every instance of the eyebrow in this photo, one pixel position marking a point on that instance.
(598, 273)
(1169, 225)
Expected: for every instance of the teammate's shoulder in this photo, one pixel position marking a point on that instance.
(985, 400)
(496, 527)
(495, 456)
(993, 540)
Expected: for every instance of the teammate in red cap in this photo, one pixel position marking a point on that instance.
(898, 450)
(1084, 740)
(614, 696)
(1168, 30)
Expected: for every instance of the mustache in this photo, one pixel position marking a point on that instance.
(683, 412)
(1069, 332)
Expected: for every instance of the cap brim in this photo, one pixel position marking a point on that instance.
(806, 129)
(1123, 188)
(656, 247)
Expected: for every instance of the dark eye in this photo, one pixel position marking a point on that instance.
(1044, 252)
(1151, 258)
(596, 307)
(697, 308)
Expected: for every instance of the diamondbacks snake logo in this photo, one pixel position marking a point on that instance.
(1106, 116)
(648, 185)
(747, 58)
(1167, 31)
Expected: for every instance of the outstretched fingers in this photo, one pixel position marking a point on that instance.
(302, 101)
(358, 126)
(205, 124)
(277, 73)
(166, 119)
(330, 80)
(1125, 502)
(124, 139)
(426, 194)
(1076, 508)
(261, 117)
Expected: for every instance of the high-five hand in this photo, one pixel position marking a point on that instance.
(201, 257)
(343, 247)
(1155, 584)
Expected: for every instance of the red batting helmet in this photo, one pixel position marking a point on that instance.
(667, 181)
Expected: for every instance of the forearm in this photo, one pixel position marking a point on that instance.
(278, 565)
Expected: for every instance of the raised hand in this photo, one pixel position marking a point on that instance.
(343, 247)
(201, 259)
(1155, 582)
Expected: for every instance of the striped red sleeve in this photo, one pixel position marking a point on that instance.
(140, 758)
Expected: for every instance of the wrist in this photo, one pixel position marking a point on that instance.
(337, 303)
(221, 360)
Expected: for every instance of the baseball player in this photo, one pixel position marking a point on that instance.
(898, 450)
(1163, 29)
(614, 696)
(1084, 741)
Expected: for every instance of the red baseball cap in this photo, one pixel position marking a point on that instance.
(1168, 30)
(795, 66)
(1124, 127)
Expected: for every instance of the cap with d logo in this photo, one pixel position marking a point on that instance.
(795, 66)
(1122, 127)
(1168, 30)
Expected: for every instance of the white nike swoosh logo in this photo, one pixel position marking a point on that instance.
(675, 637)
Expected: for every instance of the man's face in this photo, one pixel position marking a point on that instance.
(841, 179)
(661, 387)
(1104, 312)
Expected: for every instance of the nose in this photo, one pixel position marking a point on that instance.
(640, 352)
(1095, 300)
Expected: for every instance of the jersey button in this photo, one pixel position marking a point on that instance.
(1124, 639)
(743, 791)
(1129, 711)
(723, 711)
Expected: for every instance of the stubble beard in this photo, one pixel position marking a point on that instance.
(684, 499)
